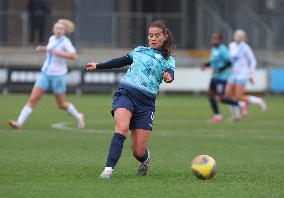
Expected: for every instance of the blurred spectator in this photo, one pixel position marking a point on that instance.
(38, 13)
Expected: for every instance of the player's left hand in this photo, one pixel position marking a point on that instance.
(167, 77)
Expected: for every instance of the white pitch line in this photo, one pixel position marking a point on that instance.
(180, 132)
(64, 126)
(191, 122)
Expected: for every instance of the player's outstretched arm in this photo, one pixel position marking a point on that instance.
(114, 63)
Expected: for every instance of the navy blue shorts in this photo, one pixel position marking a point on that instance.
(218, 86)
(142, 112)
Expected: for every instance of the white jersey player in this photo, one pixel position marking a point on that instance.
(244, 62)
(243, 66)
(52, 76)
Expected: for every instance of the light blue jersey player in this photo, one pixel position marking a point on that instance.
(52, 76)
(134, 101)
(219, 56)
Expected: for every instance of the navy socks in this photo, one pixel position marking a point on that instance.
(214, 106)
(115, 150)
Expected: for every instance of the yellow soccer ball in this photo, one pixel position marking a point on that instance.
(203, 167)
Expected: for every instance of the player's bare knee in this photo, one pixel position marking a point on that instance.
(121, 128)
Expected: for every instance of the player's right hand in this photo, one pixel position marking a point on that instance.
(91, 66)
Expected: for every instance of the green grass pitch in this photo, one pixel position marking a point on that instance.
(50, 158)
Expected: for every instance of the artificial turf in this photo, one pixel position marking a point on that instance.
(51, 158)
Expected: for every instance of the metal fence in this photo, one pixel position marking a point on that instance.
(239, 16)
(126, 29)
(209, 21)
(260, 34)
(101, 29)
(277, 26)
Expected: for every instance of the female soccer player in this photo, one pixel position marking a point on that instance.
(54, 69)
(244, 64)
(134, 101)
(220, 63)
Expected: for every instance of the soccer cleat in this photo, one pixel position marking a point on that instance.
(243, 107)
(263, 105)
(215, 120)
(14, 124)
(106, 174)
(143, 167)
(81, 121)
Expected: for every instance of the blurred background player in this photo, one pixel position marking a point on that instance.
(38, 14)
(243, 66)
(220, 63)
(134, 101)
(52, 76)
